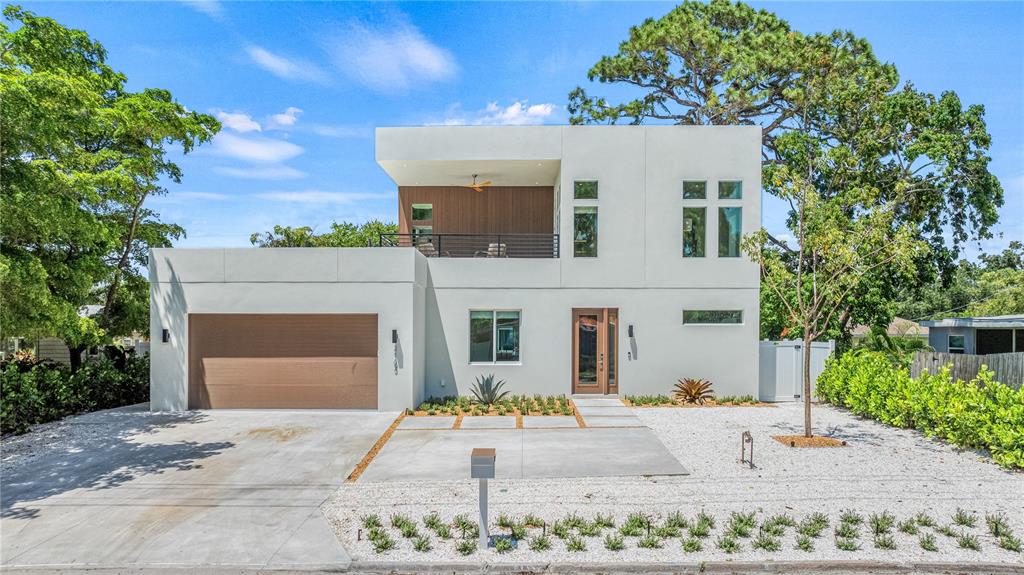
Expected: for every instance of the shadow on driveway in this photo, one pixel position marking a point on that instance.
(99, 450)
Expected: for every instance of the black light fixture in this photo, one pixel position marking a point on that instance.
(165, 335)
(630, 330)
(394, 336)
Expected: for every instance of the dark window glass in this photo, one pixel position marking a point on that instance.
(422, 212)
(508, 335)
(586, 358)
(730, 190)
(713, 316)
(481, 334)
(695, 190)
(585, 231)
(584, 190)
(730, 228)
(694, 227)
(955, 344)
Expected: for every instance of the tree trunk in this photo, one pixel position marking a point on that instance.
(122, 263)
(807, 384)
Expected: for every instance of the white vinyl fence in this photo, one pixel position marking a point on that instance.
(782, 368)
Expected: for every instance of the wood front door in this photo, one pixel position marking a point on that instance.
(595, 350)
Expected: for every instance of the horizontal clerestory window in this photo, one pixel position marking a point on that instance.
(712, 316)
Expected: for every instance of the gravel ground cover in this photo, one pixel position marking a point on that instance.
(883, 470)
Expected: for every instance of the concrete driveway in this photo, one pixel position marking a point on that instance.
(126, 488)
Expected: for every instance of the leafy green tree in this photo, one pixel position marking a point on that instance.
(835, 256)
(999, 292)
(726, 63)
(1010, 258)
(341, 235)
(79, 157)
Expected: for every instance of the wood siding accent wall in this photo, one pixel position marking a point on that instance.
(325, 361)
(498, 209)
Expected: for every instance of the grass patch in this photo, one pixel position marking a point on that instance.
(691, 545)
(881, 524)
(421, 544)
(964, 518)
(614, 543)
(503, 545)
(813, 525)
(928, 543)
(466, 547)
(884, 541)
(766, 542)
(575, 544)
(908, 526)
(968, 541)
(804, 543)
(847, 544)
(649, 542)
(729, 545)
(540, 543)
(1010, 543)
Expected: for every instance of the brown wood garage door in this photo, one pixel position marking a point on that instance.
(288, 361)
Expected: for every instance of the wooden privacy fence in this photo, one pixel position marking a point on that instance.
(1008, 367)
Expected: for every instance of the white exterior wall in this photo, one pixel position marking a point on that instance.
(639, 269)
(383, 281)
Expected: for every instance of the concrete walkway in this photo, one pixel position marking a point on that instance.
(126, 488)
(432, 454)
(606, 412)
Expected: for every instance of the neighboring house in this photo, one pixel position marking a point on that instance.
(51, 348)
(599, 260)
(899, 327)
(977, 335)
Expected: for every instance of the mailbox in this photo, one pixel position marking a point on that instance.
(482, 463)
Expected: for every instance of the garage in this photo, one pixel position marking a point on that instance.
(283, 361)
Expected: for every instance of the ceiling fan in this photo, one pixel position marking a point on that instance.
(478, 187)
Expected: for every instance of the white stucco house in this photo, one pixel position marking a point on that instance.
(563, 259)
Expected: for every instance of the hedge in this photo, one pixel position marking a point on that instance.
(980, 414)
(32, 392)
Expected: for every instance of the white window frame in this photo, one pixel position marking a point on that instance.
(494, 337)
(950, 347)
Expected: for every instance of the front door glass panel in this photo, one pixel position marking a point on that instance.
(587, 349)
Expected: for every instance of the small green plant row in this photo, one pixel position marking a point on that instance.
(664, 400)
(694, 533)
(508, 405)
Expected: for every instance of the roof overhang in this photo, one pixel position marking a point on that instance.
(1009, 322)
(451, 155)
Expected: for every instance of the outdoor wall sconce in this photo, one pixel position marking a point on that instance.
(630, 330)
(394, 336)
(165, 335)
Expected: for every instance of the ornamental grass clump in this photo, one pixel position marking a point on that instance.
(813, 525)
(964, 518)
(540, 543)
(614, 542)
(882, 523)
(466, 547)
(980, 414)
(928, 543)
(729, 545)
(691, 545)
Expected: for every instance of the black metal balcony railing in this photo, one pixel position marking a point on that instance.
(476, 245)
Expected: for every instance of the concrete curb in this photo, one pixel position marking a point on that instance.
(399, 568)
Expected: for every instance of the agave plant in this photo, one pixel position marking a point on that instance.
(486, 391)
(693, 390)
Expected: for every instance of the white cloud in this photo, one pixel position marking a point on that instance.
(279, 172)
(182, 197)
(390, 59)
(211, 8)
(341, 131)
(238, 121)
(255, 149)
(285, 119)
(282, 67)
(516, 113)
(321, 197)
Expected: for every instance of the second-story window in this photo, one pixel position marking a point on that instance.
(584, 231)
(730, 190)
(422, 223)
(423, 212)
(694, 227)
(693, 190)
(584, 190)
(730, 230)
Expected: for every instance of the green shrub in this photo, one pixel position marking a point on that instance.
(980, 414)
(540, 543)
(614, 543)
(32, 393)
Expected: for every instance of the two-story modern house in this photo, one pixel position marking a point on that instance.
(563, 259)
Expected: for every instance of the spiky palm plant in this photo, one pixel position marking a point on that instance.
(486, 391)
(694, 390)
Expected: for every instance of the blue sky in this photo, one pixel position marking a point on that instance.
(300, 87)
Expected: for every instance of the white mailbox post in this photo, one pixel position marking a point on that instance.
(482, 468)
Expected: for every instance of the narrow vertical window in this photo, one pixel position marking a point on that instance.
(694, 226)
(585, 231)
(695, 190)
(481, 336)
(730, 228)
(730, 190)
(584, 190)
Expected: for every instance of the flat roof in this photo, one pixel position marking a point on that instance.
(997, 321)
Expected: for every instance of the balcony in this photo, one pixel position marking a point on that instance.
(486, 245)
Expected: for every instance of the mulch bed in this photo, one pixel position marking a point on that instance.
(813, 441)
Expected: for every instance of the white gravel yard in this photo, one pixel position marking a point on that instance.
(882, 469)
